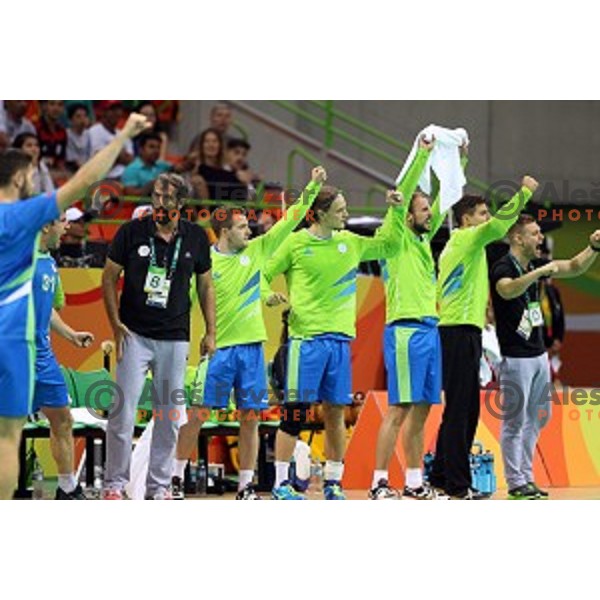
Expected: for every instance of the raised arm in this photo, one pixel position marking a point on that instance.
(497, 227)
(509, 288)
(388, 238)
(100, 164)
(581, 262)
(280, 262)
(294, 214)
(409, 183)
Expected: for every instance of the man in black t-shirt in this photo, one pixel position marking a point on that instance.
(159, 255)
(525, 371)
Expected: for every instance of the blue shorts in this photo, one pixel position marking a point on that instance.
(241, 368)
(17, 371)
(413, 361)
(49, 396)
(50, 389)
(319, 369)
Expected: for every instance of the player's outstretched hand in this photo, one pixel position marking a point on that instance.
(275, 299)
(394, 198)
(319, 175)
(595, 239)
(530, 183)
(83, 339)
(135, 124)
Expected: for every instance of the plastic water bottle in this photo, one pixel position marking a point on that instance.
(191, 481)
(316, 475)
(428, 465)
(37, 480)
(98, 469)
(202, 478)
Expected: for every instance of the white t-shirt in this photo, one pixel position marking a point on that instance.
(101, 137)
(78, 146)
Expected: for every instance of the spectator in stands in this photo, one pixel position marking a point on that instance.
(52, 135)
(220, 184)
(42, 180)
(75, 250)
(14, 121)
(221, 118)
(78, 136)
(138, 177)
(102, 133)
(148, 109)
(236, 161)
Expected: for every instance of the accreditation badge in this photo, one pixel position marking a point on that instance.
(525, 328)
(535, 314)
(158, 287)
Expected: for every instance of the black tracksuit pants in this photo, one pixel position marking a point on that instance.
(461, 355)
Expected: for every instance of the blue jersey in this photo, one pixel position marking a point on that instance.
(47, 294)
(20, 224)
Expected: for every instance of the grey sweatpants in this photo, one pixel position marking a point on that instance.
(526, 408)
(167, 360)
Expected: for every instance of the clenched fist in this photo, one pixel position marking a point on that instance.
(319, 175)
(530, 183)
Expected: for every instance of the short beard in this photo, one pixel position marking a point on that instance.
(422, 228)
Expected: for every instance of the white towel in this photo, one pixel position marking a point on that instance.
(444, 161)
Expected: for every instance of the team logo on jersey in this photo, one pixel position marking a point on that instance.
(244, 260)
(308, 252)
(343, 248)
(144, 251)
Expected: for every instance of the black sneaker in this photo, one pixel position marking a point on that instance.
(423, 492)
(76, 494)
(470, 494)
(543, 494)
(248, 493)
(383, 491)
(177, 488)
(523, 492)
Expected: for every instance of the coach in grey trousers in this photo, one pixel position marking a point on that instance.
(525, 371)
(158, 256)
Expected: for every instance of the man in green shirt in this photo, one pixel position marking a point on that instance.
(320, 265)
(238, 363)
(463, 291)
(412, 348)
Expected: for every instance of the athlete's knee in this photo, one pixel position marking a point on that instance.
(197, 417)
(396, 415)
(249, 419)
(61, 421)
(293, 417)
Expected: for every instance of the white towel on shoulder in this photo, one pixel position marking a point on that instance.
(444, 161)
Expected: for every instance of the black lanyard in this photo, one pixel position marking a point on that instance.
(521, 272)
(174, 258)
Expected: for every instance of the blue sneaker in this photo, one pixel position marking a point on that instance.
(332, 490)
(286, 492)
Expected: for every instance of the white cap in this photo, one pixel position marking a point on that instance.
(141, 211)
(73, 214)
